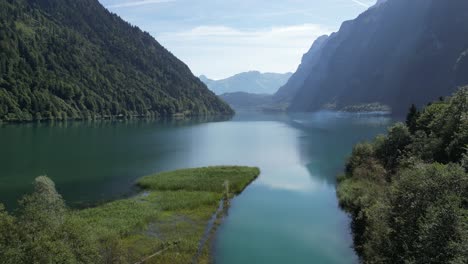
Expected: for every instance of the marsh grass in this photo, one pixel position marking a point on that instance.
(173, 207)
(209, 179)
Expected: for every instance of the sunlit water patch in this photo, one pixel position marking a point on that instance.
(290, 214)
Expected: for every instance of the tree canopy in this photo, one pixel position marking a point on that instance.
(407, 191)
(41, 231)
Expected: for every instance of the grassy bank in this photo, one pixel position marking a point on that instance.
(172, 220)
(171, 214)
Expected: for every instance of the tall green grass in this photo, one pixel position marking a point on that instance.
(173, 207)
(209, 179)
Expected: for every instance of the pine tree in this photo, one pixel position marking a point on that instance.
(411, 118)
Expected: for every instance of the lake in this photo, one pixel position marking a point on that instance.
(290, 214)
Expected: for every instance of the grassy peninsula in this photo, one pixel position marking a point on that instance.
(172, 220)
(407, 191)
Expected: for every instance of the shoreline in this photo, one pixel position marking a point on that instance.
(176, 116)
(174, 217)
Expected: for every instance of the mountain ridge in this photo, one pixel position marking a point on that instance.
(395, 53)
(76, 60)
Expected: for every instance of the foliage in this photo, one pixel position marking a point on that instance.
(411, 118)
(170, 209)
(174, 206)
(391, 148)
(68, 59)
(202, 179)
(10, 251)
(464, 161)
(370, 107)
(426, 215)
(42, 231)
(407, 192)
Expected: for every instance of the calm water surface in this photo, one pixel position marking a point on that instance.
(289, 215)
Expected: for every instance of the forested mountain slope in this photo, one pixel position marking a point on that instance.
(63, 59)
(396, 53)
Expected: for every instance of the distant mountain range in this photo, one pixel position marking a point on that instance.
(248, 82)
(73, 59)
(396, 53)
(248, 101)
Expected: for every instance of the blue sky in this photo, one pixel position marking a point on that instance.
(220, 38)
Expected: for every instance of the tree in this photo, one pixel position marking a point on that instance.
(411, 119)
(44, 231)
(53, 60)
(10, 252)
(464, 161)
(420, 214)
(42, 218)
(427, 215)
(391, 148)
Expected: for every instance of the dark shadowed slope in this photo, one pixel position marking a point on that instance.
(396, 53)
(64, 59)
(309, 61)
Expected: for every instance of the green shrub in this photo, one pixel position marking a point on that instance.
(419, 213)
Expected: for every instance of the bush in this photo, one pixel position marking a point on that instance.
(43, 232)
(419, 213)
(426, 214)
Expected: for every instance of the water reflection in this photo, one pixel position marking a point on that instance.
(168, 121)
(289, 213)
(92, 160)
(328, 137)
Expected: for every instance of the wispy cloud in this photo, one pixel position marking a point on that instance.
(276, 49)
(265, 37)
(361, 3)
(139, 3)
(220, 31)
(224, 37)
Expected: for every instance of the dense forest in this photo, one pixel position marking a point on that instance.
(73, 59)
(407, 191)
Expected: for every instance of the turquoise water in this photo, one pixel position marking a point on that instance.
(289, 215)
